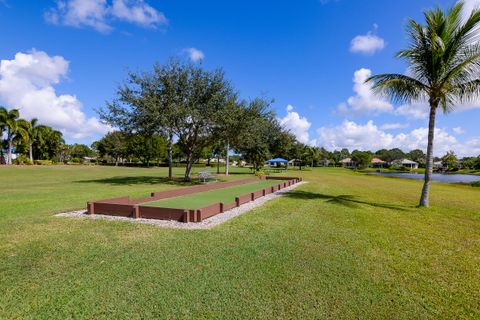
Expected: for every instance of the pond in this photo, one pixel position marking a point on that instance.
(439, 177)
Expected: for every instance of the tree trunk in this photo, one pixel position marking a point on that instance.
(30, 152)
(227, 159)
(218, 164)
(170, 156)
(429, 161)
(188, 168)
(10, 147)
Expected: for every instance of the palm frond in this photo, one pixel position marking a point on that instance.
(400, 88)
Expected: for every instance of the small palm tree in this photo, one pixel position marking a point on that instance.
(32, 136)
(15, 128)
(444, 69)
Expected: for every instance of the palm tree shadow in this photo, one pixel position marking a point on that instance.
(346, 200)
(135, 180)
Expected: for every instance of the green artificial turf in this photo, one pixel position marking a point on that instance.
(343, 246)
(202, 199)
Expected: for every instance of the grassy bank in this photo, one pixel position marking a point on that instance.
(343, 246)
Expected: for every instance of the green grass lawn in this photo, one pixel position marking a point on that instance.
(344, 246)
(202, 199)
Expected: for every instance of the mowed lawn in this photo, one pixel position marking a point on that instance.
(202, 199)
(343, 246)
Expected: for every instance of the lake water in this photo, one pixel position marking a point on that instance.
(439, 177)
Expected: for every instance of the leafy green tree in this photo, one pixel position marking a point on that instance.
(444, 64)
(417, 155)
(362, 158)
(80, 151)
(450, 160)
(177, 99)
(48, 143)
(344, 153)
(146, 148)
(257, 142)
(114, 144)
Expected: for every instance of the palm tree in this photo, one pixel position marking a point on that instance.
(3, 124)
(444, 69)
(15, 128)
(32, 136)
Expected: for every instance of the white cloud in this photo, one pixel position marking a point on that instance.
(370, 137)
(368, 43)
(297, 125)
(26, 82)
(98, 14)
(415, 110)
(365, 101)
(138, 12)
(391, 126)
(469, 5)
(458, 130)
(194, 54)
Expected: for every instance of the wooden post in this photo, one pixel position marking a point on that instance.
(90, 208)
(136, 212)
(199, 216)
(186, 216)
(221, 207)
(264, 192)
(252, 196)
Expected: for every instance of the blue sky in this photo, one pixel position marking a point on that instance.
(61, 60)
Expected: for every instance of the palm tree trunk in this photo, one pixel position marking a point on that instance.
(10, 147)
(170, 156)
(227, 158)
(429, 160)
(30, 151)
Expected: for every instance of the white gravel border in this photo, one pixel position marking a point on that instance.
(205, 224)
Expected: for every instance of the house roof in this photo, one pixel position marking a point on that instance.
(405, 161)
(346, 160)
(377, 160)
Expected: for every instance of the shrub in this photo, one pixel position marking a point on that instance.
(43, 162)
(476, 184)
(260, 174)
(23, 160)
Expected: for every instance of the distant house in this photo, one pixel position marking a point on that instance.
(295, 162)
(405, 163)
(439, 165)
(324, 163)
(348, 163)
(377, 163)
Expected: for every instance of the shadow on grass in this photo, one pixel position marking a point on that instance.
(346, 200)
(134, 180)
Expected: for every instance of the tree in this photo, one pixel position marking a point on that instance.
(114, 145)
(15, 128)
(258, 140)
(450, 160)
(32, 136)
(49, 143)
(229, 126)
(177, 99)
(444, 65)
(146, 148)
(417, 155)
(362, 158)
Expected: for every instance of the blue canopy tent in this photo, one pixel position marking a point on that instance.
(276, 161)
